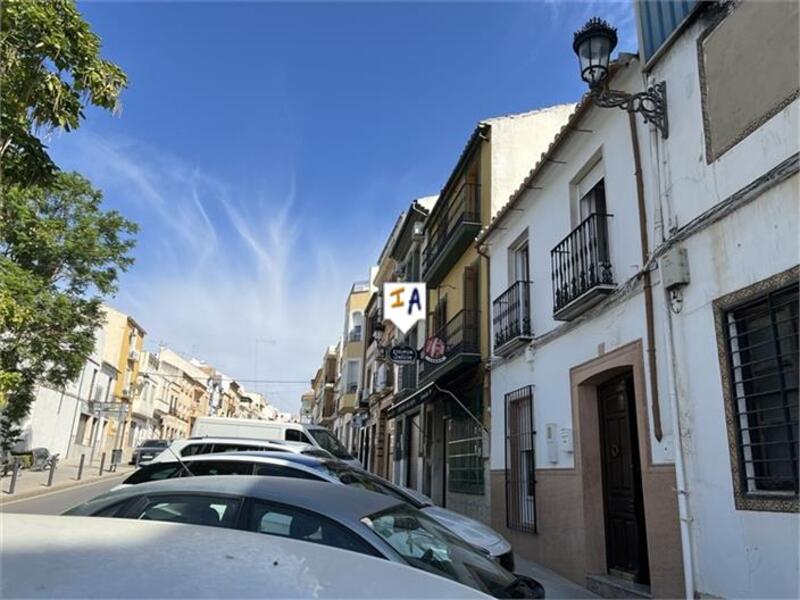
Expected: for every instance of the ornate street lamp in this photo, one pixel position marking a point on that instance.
(593, 44)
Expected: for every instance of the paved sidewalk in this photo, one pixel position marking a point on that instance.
(33, 483)
(555, 586)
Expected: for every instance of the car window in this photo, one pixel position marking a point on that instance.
(287, 521)
(216, 448)
(155, 472)
(215, 511)
(295, 435)
(367, 481)
(111, 511)
(193, 449)
(220, 467)
(425, 544)
(284, 471)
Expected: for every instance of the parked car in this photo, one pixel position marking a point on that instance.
(333, 515)
(316, 435)
(147, 451)
(166, 560)
(474, 532)
(214, 445)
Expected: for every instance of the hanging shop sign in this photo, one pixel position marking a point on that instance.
(434, 350)
(404, 304)
(403, 355)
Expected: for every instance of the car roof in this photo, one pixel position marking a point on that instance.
(339, 502)
(304, 460)
(153, 559)
(235, 439)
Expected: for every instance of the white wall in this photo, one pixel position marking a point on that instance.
(546, 214)
(737, 553)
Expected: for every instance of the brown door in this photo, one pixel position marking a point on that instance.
(626, 541)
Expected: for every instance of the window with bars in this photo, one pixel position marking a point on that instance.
(520, 460)
(762, 353)
(464, 456)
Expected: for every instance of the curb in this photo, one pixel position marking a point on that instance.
(6, 498)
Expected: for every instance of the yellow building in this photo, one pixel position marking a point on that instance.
(124, 341)
(352, 355)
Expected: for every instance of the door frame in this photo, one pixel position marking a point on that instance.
(658, 480)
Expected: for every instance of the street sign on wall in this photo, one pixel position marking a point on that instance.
(404, 304)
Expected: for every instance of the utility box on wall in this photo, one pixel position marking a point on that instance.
(674, 266)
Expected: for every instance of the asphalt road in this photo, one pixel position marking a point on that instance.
(56, 502)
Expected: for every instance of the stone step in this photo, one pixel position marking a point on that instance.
(608, 586)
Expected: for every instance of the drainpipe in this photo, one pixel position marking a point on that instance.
(680, 474)
(680, 465)
(647, 286)
(488, 371)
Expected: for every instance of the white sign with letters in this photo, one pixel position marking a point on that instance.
(404, 304)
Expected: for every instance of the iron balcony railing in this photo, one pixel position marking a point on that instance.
(461, 335)
(355, 334)
(512, 314)
(581, 261)
(463, 208)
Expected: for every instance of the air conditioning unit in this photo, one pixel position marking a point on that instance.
(400, 272)
(133, 354)
(126, 392)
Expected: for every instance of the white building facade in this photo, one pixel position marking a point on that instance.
(645, 324)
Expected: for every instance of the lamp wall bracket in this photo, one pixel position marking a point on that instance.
(651, 104)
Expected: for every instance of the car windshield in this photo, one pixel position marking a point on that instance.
(362, 479)
(425, 544)
(329, 442)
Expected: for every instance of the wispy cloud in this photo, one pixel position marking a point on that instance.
(228, 275)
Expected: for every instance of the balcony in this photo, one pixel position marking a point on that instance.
(512, 318)
(581, 268)
(328, 405)
(450, 233)
(355, 334)
(461, 337)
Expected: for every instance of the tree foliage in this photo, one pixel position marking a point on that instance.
(50, 70)
(60, 253)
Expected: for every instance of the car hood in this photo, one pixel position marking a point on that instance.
(474, 532)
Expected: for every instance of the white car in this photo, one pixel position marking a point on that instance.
(316, 435)
(474, 532)
(87, 557)
(194, 446)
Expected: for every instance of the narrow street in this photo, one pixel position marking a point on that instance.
(56, 502)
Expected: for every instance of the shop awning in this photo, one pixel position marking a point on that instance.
(409, 402)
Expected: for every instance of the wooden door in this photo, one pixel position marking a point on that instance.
(626, 540)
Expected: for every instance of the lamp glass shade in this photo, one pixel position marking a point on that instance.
(593, 44)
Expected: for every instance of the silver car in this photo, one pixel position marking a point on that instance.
(333, 515)
(277, 464)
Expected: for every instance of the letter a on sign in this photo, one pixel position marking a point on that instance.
(404, 304)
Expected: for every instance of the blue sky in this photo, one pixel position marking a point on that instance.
(266, 150)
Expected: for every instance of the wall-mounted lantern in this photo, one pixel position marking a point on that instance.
(593, 44)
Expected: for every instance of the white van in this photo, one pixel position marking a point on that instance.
(316, 435)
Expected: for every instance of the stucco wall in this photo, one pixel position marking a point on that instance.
(737, 553)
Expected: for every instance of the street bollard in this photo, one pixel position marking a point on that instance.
(14, 473)
(80, 467)
(102, 462)
(53, 461)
